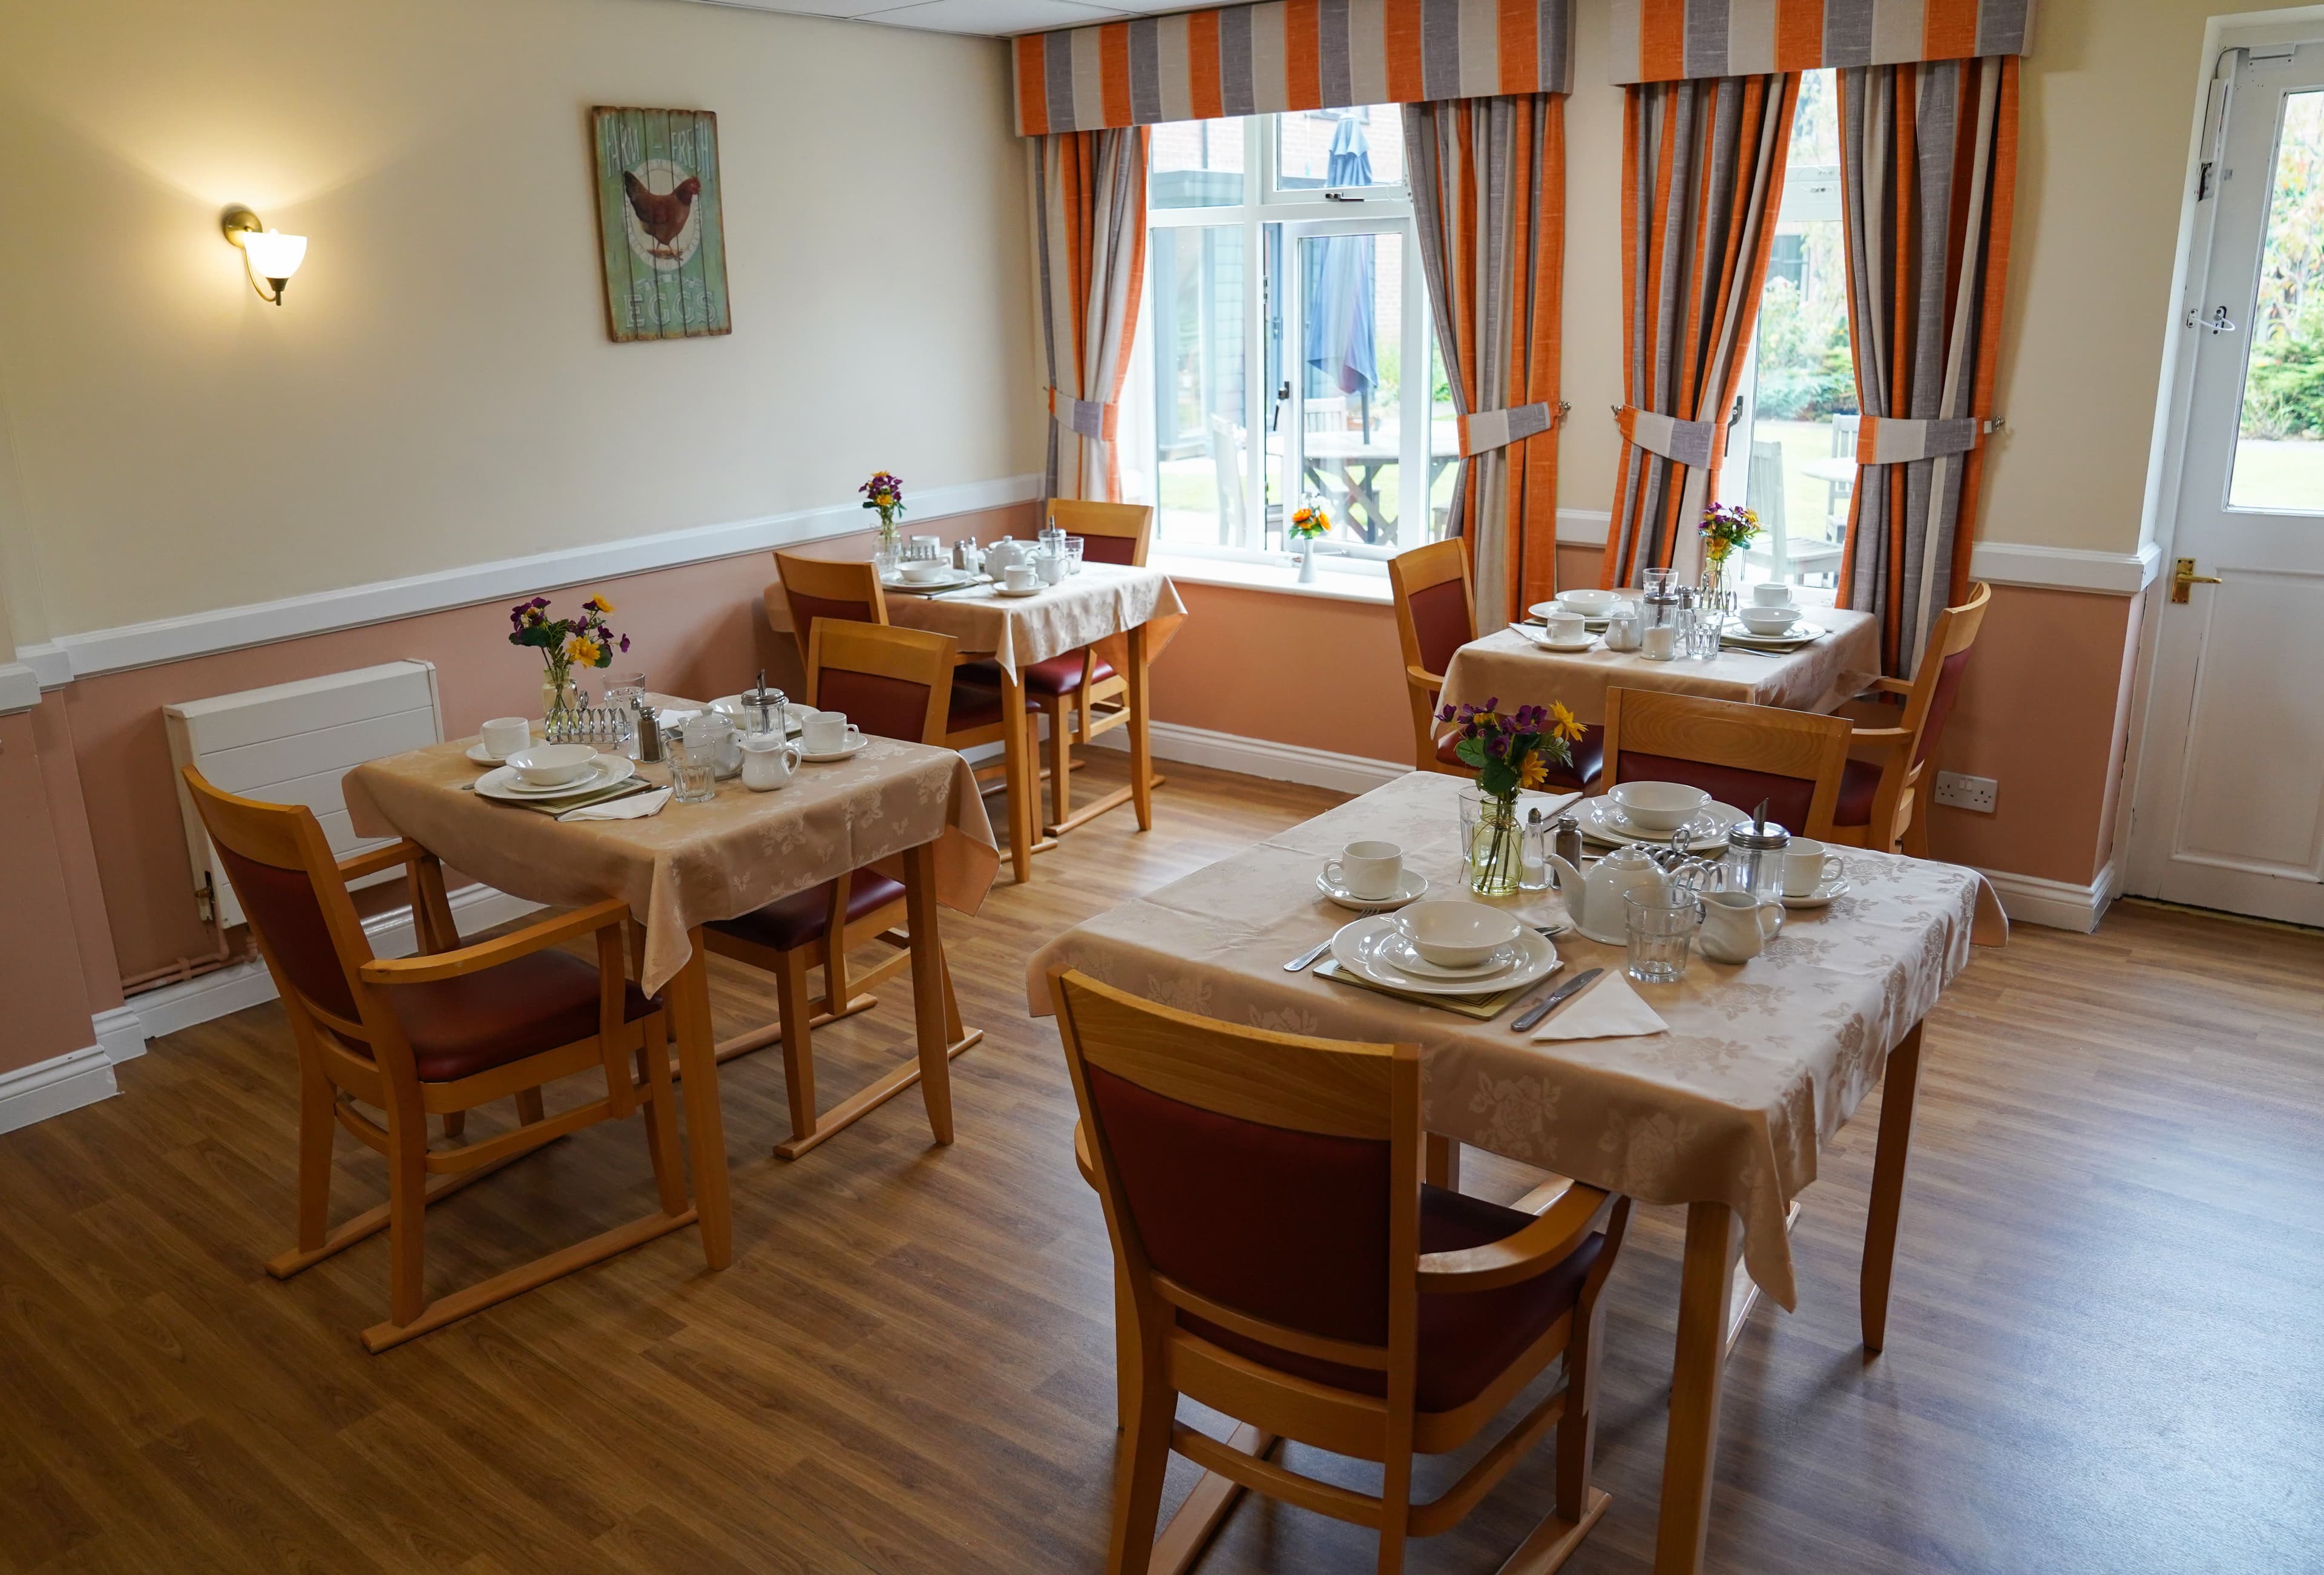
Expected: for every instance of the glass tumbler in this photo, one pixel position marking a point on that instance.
(1075, 547)
(693, 764)
(1662, 924)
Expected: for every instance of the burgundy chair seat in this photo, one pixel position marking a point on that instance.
(1589, 759)
(973, 706)
(1858, 784)
(1062, 675)
(461, 1026)
(1467, 1340)
(800, 919)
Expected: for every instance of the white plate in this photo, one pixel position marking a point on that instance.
(826, 759)
(1797, 634)
(504, 783)
(1837, 886)
(951, 582)
(1400, 954)
(1356, 946)
(1602, 821)
(1410, 886)
(1006, 591)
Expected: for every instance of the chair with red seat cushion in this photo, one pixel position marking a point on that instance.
(1884, 802)
(1278, 1258)
(1738, 754)
(892, 682)
(437, 1033)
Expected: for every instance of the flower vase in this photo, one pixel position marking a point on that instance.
(1491, 844)
(1307, 560)
(555, 694)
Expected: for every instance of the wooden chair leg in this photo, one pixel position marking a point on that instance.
(407, 1229)
(528, 1105)
(316, 1123)
(662, 1116)
(792, 1011)
(1059, 709)
(1395, 1509)
(1914, 842)
(1145, 1460)
(455, 1124)
(1577, 1428)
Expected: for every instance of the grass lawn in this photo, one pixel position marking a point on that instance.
(2279, 473)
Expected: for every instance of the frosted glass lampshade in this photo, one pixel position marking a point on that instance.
(274, 255)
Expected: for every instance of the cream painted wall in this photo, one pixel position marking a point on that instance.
(2107, 101)
(439, 388)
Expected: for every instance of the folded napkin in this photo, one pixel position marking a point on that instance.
(1609, 1009)
(636, 806)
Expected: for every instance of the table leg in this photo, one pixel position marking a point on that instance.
(1024, 776)
(1707, 1279)
(688, 996)
(929, 987)
(1897, 1091)
(1141, 743)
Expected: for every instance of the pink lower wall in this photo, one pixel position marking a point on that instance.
(45, 1000)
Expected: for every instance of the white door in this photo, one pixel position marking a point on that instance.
(2229, 812)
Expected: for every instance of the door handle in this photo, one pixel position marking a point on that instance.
(2183, 574)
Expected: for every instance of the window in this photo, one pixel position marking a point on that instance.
(2279, 464)
(1798, 401)
(1284, 304)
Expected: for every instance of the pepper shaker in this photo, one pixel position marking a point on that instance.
(650, 748)
(1566, 836)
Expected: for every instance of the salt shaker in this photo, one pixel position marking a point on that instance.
(1532, 868)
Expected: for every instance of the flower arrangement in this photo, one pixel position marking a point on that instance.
(1510, 752)
(1310, 521)
(885, 492)
(1725, 528)
(584, 639)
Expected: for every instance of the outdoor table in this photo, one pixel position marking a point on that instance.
(1726, 1114)
(902, 805)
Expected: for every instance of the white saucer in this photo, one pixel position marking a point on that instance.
(1602, 821)
(1005, 591)
(1545, 643)
(1358, 946)
(1838, 886)
(1410, 886)
(503, 783)
(1398, 952)
(476, 753)
(812, 758)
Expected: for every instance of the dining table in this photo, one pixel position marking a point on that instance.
(1514, 667)
(1128, 612)
(908, 809)
(1724, 1114)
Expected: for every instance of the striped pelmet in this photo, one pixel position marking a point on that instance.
(1487, 179)
(1929, 179)
(1289, 55)
(1669, 41)
(1089, 255)
(1702, 178)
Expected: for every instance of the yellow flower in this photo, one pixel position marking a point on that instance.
(885, 500)
(599, 603)
(1562, 724)
(1534, 772)
(581, 648)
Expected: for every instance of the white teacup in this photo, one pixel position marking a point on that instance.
(1808, 865)
(1660, 643)
(827, 732)
(1367, 870)
(1565, 628)
(1737, 926)
(1022, 576)
(1773, 594)
(504, 735)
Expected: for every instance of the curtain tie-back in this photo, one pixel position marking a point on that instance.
(1090, 417)
(1483, 431)
(1686, 443)
(1897, 440)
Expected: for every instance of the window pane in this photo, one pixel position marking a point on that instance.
(1351, 288)
(1197, 277)
(1341, 149)
(2279, 440)
(1195, 164)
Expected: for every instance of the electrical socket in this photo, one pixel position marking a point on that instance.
(1975, 793)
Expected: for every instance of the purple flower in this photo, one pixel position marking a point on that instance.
(625, 643)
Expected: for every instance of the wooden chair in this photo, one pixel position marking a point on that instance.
(437, 1033)
(1278, 1258)
(896, 683)
(1883, 797)
(1738, 753)
(1079, 691)
(1435, 616)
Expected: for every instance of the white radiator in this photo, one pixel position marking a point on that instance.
(291, 743)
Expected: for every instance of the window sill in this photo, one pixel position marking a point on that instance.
(1281, 579)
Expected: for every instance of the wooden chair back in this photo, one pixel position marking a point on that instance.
(1115, 533)
(1738, 753)
(1435, 617)
(893, 682)
(819, 589)
(1937, 682)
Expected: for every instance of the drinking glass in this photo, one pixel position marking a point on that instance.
(1074, 545)
(622, 689)
(694, 764)
(1662, 924)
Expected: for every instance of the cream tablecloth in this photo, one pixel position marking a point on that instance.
(1763, 1061)
(693, 863)
(1091, 608)
(1507, 667)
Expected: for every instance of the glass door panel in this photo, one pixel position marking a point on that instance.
(2279, 458)
(1201, 440)
(1347, 381)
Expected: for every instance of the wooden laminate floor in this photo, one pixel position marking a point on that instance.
(2104, 1351)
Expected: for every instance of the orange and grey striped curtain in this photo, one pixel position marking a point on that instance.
(1089, 253)
(1928, 177)
(1702, 178)
(1488, 178)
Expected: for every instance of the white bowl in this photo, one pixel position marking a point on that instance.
(1658, 807)
(1588, 604)
(1768, 619)
(1456, 934)
(551, 765)
(921, 574)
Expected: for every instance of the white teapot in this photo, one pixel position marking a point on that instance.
(1006, 554)
(1595, 903)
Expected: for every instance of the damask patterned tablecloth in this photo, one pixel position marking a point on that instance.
(1763, 1060)
(693, 863)
(1507, 667)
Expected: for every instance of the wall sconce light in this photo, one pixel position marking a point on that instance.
(267, 254)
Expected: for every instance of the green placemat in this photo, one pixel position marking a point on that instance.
(1480, 1007)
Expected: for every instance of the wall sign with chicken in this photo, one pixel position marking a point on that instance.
(660, 223)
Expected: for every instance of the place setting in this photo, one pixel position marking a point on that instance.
(1771, 623)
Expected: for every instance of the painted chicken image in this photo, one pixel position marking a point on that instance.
(662, 216)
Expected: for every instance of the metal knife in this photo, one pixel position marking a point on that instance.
(1299, 964)
(1553, 1000)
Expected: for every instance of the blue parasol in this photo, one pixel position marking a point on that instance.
(1341, 331)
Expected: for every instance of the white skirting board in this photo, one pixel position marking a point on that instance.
(51, 1087)
(2058, 905)
(1260, 756)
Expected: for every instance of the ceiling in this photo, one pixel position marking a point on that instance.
(995, 18)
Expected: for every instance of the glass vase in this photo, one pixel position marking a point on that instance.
(556, 693)
(1490, 844)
